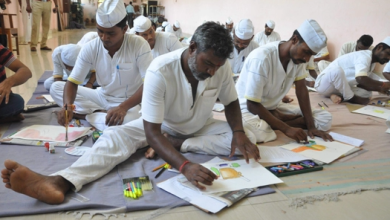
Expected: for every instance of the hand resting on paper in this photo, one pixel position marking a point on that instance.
(196, 173)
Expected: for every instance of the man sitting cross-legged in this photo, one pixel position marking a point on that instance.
(180, 90)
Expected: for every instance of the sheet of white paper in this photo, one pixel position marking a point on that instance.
(218, 107)
(388, 131)
(50, 133)
(346, 139)
(192, 196)
(374, 111)
(236, 175)
(311, 89)
(48, 98)
(321, 150)
(278, 155)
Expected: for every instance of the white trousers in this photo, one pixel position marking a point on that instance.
(262, 131)
(89, 100)
(333, 81)
(120, 142)
(26, 21)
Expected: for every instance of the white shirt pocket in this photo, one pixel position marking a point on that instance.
(210, 93)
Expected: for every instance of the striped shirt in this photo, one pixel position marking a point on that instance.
(6, 58)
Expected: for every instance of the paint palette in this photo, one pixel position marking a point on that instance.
(77, 150)
(294, 168)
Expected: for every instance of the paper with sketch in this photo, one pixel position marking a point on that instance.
(375, 111)
(278, 155)
(319, 149)
(50, 133)
(236, 175)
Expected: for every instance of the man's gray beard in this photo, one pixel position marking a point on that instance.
(193, 67)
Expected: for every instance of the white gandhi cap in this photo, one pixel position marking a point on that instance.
(386, 41)
(142, 24)
(229, 21)
(164, 24)
(244, 29)
(270, 24)
(69, 54)
(313, 35)
(110, 13)
(177, 24)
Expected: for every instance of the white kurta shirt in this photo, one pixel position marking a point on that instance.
(262, 39)
(387, 68)
(165, 43)
(167, 96)
(349, 48)
(119, 76)
(238, 59)
(263, 79)
(87, 38)
(169, 29)
(353, 64)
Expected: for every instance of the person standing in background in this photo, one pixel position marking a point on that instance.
(42, 9)
(130, 14)
(26, 20)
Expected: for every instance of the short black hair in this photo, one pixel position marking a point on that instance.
(211, 35)
(296, 33)
(122, 23)
(366, 40)
(385, 46)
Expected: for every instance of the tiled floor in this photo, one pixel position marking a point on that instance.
(367, 205)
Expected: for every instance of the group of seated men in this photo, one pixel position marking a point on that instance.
(178, 87)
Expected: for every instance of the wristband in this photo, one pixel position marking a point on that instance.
(239, 131)
(182, 166)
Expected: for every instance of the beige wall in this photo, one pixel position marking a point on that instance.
(342, 20)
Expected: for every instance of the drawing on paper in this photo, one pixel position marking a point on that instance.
(50, 133)
(312, 145)
(227, 172)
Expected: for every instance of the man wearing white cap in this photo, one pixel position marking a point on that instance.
(350, 77)
(181, 88)
(175, 29)
(160, 42)
(243, 44)
(229, 24)
(268, 35)
(164, 25)
(64, 58)
(268, 75)
(120, 61)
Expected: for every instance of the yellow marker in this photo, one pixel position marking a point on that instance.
(379, 111)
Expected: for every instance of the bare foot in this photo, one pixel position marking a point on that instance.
(310, 83)
(176, 143)
(150, 153)
(335, 98)
(48, 189)
(287, 99)
(15, 118)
